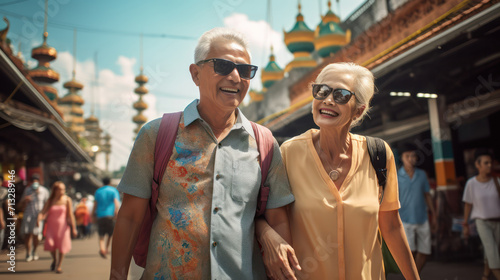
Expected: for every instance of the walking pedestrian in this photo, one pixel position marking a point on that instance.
(482, 204)
(33, 200)
(208, 197)
(60, 224)
(106, 205)
(416, 201)
(82, 216)
(337, 214)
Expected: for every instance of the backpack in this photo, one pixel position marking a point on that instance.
(378, 158)
(165, 141)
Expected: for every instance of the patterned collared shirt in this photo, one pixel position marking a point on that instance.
(40, 196)
(207, 200)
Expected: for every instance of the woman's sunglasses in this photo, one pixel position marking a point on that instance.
(225, 67)
(340, 95)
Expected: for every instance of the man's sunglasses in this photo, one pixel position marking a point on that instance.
(225, 67)
(340, 95)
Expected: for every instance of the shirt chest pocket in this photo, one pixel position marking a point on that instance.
(245, 181)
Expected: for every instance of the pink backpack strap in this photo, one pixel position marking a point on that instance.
(164, 145)
(165, 141)
(265, 145)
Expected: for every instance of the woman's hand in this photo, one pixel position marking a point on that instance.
(465, 230)
(74, 232)
(39, 219)
(278, 255)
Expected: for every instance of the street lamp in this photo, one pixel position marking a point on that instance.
(95, 148)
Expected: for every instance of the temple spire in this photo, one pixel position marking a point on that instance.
(45, 33)
(71, 104)
(141, 90)
(74, 53)
(42, 74)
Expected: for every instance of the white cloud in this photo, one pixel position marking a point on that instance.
(113, 99)
(260, 36)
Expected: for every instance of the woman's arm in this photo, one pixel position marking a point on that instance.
(465, 223)
(70, 216)
(273, 233)
(128, 225)
(43, 214)
(395, 238)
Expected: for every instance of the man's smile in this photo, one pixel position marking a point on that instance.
(229, 90)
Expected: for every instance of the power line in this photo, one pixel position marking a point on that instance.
(12, 2)
(82, 28)
(162, 94)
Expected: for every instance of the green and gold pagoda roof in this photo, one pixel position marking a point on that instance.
(300, 38)
(329, 36)
(272, 72)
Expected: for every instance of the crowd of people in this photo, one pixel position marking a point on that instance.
(327, 200)
(53, 217)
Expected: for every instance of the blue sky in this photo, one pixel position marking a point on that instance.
(171, 28)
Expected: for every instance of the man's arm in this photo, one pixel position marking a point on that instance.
(273, 233)
(25, 198)
(430, 205)
(393, 233)
(128, 225)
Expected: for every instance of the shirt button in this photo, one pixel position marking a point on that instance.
(216, 209)
(217, 176)
(214, 244)
(219, 145)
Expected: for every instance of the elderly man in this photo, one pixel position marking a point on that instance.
(207, 198)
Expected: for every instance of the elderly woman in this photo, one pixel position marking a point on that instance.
(336, 216)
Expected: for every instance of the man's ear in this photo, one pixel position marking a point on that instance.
(195, 72)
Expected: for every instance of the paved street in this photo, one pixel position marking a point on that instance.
(449, 271)
(84, 262)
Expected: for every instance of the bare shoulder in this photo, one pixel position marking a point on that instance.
(68, 200)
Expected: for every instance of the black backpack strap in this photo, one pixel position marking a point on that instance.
(378, 157)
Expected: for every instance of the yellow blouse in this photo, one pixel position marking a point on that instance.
(334, 232)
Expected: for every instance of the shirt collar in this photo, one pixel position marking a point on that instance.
(402, 171)
(191, 114)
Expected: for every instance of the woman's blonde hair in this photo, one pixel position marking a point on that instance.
(53, 191)
(364, 86)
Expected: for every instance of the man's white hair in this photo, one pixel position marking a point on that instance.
(213, 35)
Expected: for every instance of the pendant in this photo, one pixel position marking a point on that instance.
(334, 175)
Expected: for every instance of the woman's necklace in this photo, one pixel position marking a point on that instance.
(334, 174)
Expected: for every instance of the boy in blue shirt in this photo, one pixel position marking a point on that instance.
(415, 199)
